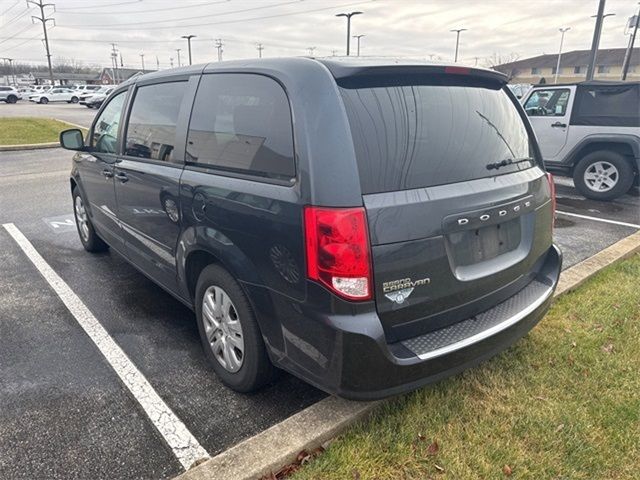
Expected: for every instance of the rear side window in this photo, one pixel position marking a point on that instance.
(607, 105)
(151, 132)
(242, 123)
(417, 136)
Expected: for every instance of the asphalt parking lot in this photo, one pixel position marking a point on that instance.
(65, 413)
(73, 113)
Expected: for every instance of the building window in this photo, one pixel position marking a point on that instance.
(604, 69)
(578, 69)
(535, 71)
(554, 70)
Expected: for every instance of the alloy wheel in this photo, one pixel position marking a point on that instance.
(223, 329)
(601, 176)
(81, 218)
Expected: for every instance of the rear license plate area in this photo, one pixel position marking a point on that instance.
(477, 245)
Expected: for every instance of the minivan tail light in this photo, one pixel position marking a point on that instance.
(338, 252)
(552, 191)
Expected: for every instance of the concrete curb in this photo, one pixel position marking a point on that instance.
(30, 146)
(316, 425)
(38, 146)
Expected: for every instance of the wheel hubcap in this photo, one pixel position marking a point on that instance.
(601, 176)
(223, 329)
(81, 219)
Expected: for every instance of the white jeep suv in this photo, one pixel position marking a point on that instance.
(590, 131)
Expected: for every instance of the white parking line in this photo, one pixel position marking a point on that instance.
(596, 219)
(183, 444)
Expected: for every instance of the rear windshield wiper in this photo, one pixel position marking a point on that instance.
(507, 161)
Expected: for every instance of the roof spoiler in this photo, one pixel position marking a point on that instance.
(353, 77)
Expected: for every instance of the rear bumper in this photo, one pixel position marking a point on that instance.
(347, 355)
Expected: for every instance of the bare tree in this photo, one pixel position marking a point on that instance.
(500, 59)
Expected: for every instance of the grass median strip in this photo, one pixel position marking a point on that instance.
(562, 403)
(29, 130)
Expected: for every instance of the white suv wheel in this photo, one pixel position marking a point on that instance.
(601, 176)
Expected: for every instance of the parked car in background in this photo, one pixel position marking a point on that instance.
(368, 225)
(95, 99)
(82, 89)
(26, 91)
(9, 94)
(591, 132)
(56, 94)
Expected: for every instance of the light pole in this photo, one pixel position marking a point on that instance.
(457, 30)
(189, 37)
(260, 47)
(596, 39)
(348, 17)
(562, 31)
(358, 37)
(219, 46)
(632, 41)
(142, 58)
(178, 50)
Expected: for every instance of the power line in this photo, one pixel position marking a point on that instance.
(94, 6)
(11, 7)
(18, 33)
(197, 17)
(68, 11)
(288, 14)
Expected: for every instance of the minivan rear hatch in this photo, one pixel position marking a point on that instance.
(457, 203)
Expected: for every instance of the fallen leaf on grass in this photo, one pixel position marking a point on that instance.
(507, 470)
(574, 344)
(356, 474)
(559, 427)
(433, 448)
(608, 348)
(438, 467)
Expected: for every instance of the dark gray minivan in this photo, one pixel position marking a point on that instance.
(367, 225)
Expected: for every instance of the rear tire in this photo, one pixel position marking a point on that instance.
(12, 99)
(44, 100)
(603, 175)
(74, 99)
(88, 236)
(250, 370)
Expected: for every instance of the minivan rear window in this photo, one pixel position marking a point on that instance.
(416, 136)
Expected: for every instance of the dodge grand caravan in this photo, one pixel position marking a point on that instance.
(369, 226)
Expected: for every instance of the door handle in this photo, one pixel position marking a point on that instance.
(560, 125)
(122, 177)
(107, 173)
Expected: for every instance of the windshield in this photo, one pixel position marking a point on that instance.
(425, 135)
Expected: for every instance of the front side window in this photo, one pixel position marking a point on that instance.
(549, 103)
(104, 138)
(242, 123)
(151, 131)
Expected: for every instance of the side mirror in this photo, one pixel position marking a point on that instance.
(72, 139)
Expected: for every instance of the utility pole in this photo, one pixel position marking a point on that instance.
(260, 48)
(562, 31)
(114, 59)
(157, 63)
(178, 50)
(596, 39)
(142, 58)
(189, 37)
(44, 19)
(358, 37)
(632, 41)
(171, 61)
(348, 17)
(219, 46)
(457, 30)
(311, 49)
(334, 52)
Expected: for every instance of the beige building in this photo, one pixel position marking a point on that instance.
(573, 67)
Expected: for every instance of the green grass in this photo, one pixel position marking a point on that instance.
(563, 403)
(27, 130)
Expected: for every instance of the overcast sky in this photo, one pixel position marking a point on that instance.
(417, 28)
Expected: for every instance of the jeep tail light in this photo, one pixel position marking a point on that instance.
(552, 191)
(338, 254)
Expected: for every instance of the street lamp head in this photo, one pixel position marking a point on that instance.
(188, 37)
(348, 15)
(566, 29)
(458, 30)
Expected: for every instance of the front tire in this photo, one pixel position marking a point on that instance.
(229, 332)
(44, 101)
(88, 236)
(603, 175)
(12, 99)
